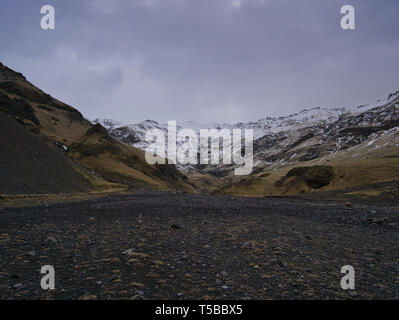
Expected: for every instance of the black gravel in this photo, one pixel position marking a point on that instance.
(28, 165)
(183, 246)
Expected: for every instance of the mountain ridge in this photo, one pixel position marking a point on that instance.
(322, 121)
(351, 147)
(314, 136)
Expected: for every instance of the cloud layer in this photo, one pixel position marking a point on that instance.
(208, 60)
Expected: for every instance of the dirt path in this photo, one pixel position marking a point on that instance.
(182, 246)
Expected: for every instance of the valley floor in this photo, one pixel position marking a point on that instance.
(182, 246)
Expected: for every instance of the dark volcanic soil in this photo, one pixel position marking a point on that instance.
(28, 165)
(199, 247)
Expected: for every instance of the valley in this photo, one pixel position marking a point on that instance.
(198, 158)
(81, 197)
(360, 145)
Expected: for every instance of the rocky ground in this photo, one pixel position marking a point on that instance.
(29, 165)
(181, 246)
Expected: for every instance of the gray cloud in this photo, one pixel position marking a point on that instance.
(208, 60)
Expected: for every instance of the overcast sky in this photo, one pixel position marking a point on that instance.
(203, 60)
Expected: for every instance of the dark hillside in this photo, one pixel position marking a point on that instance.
(29, 165)
(40, 135)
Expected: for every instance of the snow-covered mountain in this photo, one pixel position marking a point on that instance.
(306, 135)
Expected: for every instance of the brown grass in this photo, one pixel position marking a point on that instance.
(347, 175)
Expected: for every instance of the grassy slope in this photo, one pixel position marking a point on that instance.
(349, 173)
(113, 165)
(29, 165)
(119, 162)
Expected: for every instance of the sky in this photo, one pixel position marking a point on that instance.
(203, 60)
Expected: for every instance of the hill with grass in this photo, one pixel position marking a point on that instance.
(47, 146)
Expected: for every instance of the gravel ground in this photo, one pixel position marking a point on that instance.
(180, 246)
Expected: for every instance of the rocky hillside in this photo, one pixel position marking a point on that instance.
(48, 147)
(306, 135)
(310, 137)
(358, 149)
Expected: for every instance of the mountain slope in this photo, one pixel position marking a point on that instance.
(29, 165)
(309, 134)
(87, 155)
(360, 148)
(353, 139)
